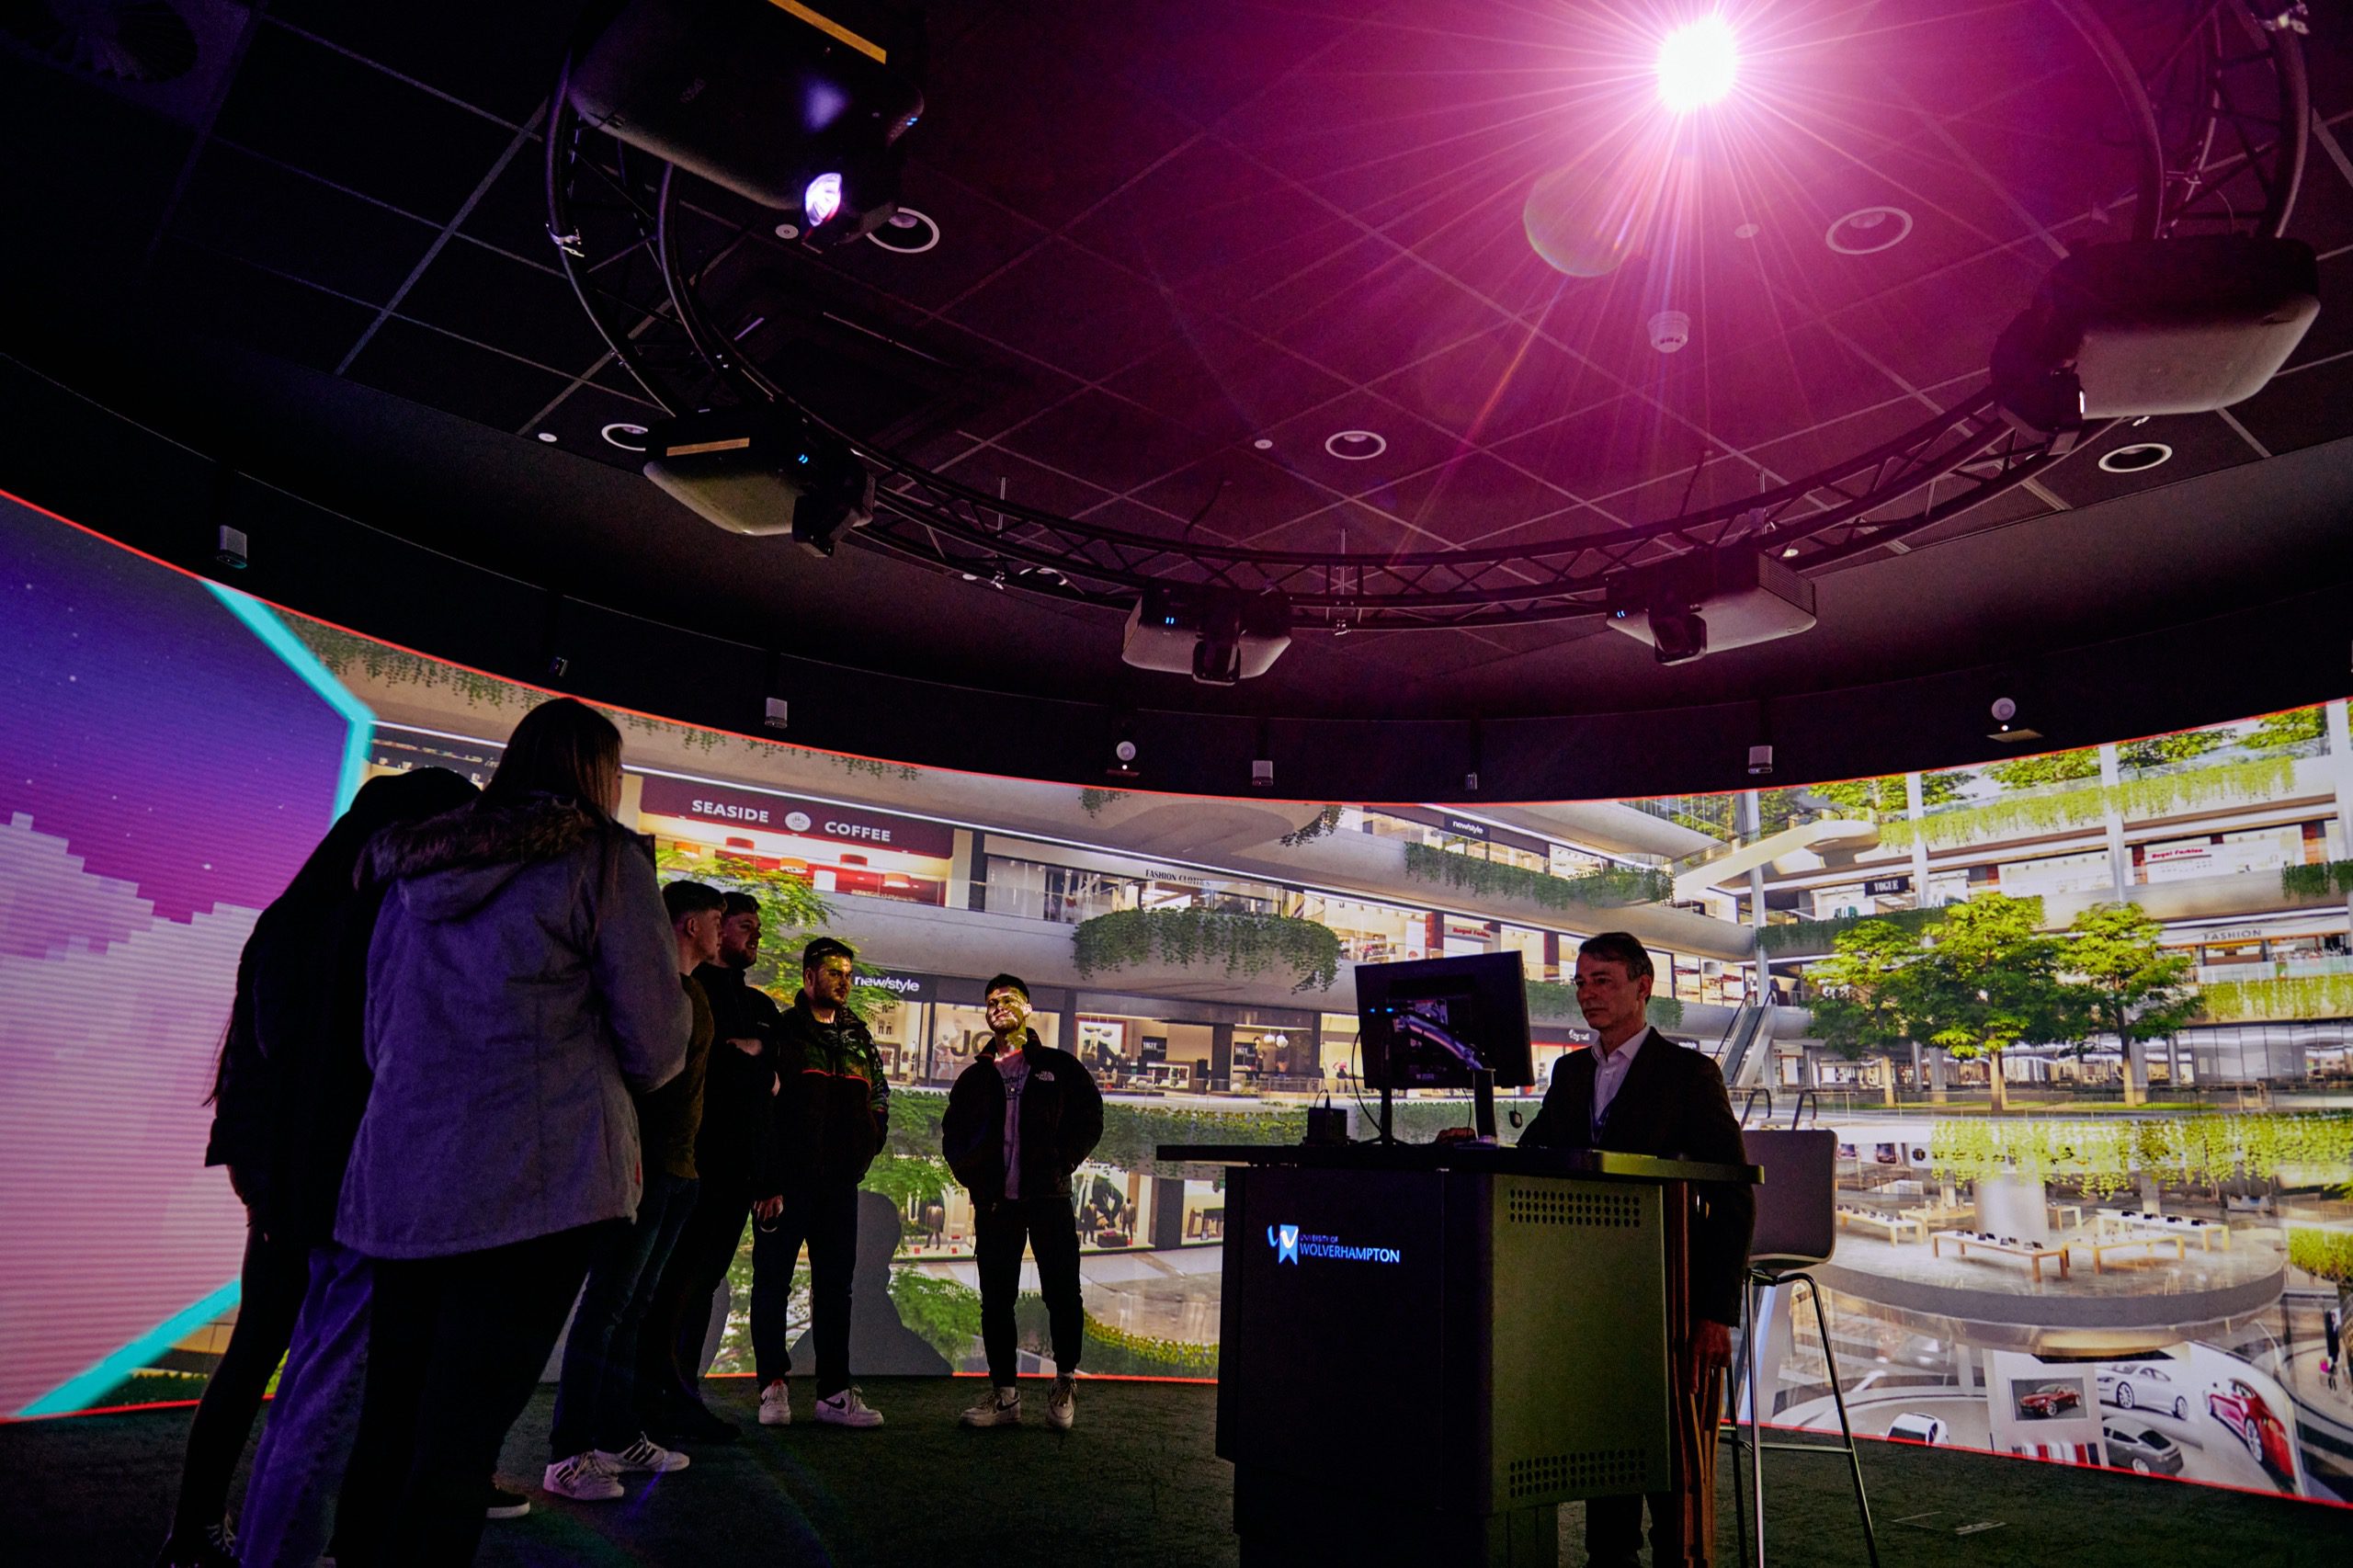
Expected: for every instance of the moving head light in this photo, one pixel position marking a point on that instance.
(1219, 636)
(762, 470)
(1708, 600)
(798, 107)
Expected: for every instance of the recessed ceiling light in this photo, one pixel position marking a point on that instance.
(909, 233)
(1788, 550)
(1867, 231)
(1354, 446)
(1747, 230)
(628, 438)
(2135, 459)
(1263, 444)
(549, 437)
(788, 231)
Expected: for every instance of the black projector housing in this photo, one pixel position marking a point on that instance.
(1708, 600)
(1218, 636)
(762, 470)
(2155, 326)
(761, 96)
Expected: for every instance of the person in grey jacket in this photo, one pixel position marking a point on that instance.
(522, 981)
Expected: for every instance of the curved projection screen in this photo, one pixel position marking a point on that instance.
(2144, 1284)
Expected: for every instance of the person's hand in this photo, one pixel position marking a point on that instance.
(768, 1209)
(748, 1047)
(1710, 1345)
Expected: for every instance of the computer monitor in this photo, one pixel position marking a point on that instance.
(1432, 1023)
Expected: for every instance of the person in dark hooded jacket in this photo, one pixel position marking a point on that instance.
(288, 1097)
(1018, 1122)
(522, 981)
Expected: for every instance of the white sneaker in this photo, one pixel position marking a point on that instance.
(776, 1404)
(1062, 1403)
(583, 1478)
(645, 1455)
(848, 1408)
(998, 1407)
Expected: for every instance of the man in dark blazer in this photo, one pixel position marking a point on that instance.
(1636, 1092)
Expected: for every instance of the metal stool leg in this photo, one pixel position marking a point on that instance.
(1739, 1444)
(1755, 1426)
(1838, 1398)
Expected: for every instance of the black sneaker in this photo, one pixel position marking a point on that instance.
(691, 1421)
(500, 1504)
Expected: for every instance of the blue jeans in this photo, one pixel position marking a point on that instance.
(314, 1419)
(596, 1397)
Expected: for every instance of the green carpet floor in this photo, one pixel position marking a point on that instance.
(1137, 1483)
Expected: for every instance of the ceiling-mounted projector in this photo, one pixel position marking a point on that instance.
(762, 469)
(2155, 326)
(1216, 635)
(1708, 600)
(796, 105)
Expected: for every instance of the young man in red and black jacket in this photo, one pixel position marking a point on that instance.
(833, 1107)
(1018, 1122)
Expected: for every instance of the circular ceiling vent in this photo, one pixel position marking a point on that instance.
(1867, 231)
(2137, 458)
(1354, 446)
(909, 233)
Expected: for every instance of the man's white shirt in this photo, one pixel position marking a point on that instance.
(1609, 1074)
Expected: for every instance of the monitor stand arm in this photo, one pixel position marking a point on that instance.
(1483, 1101)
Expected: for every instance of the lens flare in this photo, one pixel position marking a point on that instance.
(1696, 64)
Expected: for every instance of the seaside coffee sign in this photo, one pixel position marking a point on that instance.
(759, 812)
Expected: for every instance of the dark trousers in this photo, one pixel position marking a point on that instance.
(596, 1396)
(455, 1346)
(824, 1214)
(270, 1286)
(1683, 1522)
(669, 1347)
(999, 1229)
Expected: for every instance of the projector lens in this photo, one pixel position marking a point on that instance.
(821, 199)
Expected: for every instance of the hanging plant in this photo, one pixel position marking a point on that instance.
(1247, 943)
(2316, 1150)
(2296, 997)
(1092, 801)
(2135, 800)
(1324, 821)
(1611, 887)
(2333, 878)
(2325, 1254)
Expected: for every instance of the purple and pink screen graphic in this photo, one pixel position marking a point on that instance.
(163, 774)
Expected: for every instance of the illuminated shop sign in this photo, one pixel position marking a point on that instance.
(1292, 1246)
(801, 819)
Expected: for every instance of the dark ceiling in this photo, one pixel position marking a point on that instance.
(1184, 248)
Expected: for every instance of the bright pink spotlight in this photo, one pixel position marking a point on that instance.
(1696, 64)
(821, 199)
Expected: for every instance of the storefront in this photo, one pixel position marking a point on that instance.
(837, 850)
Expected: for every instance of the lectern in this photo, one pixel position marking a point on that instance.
(1424, 1349)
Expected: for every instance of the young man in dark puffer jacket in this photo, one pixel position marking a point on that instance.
(833, 1107)
(1018, 1122)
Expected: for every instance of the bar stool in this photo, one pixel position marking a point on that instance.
(1797, 1227)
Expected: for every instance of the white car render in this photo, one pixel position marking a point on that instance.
(2142, 1385)
(1913, 1427)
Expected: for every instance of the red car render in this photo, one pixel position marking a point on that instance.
(2242, 1409)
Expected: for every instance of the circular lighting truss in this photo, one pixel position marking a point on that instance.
(2214, 91)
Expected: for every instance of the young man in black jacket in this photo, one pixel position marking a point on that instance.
(735, 1155)
(1018, 1122)
(831, 1114)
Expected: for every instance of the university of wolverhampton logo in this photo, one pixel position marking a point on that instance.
(1290, 1246)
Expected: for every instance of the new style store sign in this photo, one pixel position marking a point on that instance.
(762, 812)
